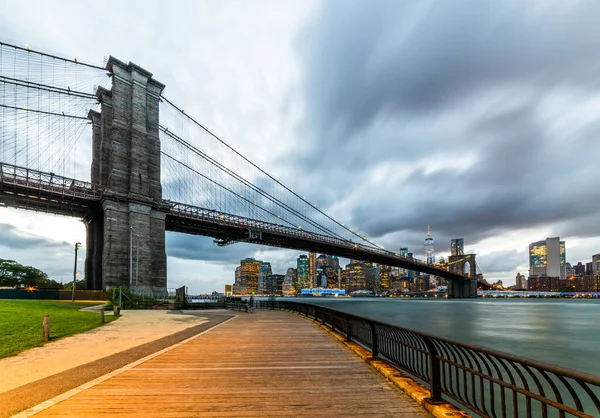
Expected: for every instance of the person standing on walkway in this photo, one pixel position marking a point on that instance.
(250, 303)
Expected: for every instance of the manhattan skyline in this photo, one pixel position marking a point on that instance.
(428, 114)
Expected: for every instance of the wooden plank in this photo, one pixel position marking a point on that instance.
(268, 363)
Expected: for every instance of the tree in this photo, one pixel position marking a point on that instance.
(13, 274)
(79, 285)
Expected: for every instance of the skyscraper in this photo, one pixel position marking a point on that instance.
(335, 262)
(356, 275)
(372, 277)
(385, 277)
(312, 269)
(290, 283)
(265, 271)
(303, 273)
(404, 253)
(457, 246)
(520, 282)
(548, 258)
(246, 276)
(322, 261)
(274, 284)
(429, 248)
(596, 263)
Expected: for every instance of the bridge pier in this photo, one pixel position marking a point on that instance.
(94, 225)
(458, 289)
(126, 164)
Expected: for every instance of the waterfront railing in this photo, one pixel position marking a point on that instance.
(480, 380)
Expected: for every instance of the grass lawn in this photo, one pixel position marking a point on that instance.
(21, 322)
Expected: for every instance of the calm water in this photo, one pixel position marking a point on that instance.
(564, 332)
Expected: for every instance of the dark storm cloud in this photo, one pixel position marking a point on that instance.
(193, 247)
(52, 257)
(367, 58)
(10, 238)
(501, 261)
(456, 114)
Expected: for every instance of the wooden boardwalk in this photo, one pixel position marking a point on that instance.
(268, 363)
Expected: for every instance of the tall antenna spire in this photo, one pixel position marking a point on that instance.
(429, 247)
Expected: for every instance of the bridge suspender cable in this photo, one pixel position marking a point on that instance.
(31, 51)
(44, 112)
(46, 87)
(261, 170)
(245, 182)
(223, 187)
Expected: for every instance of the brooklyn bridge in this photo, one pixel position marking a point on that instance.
(104, 144)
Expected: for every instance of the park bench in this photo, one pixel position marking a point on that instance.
(237, 305)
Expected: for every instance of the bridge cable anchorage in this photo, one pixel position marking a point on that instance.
(262, 171)
(247, 183)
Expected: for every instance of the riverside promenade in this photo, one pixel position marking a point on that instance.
(266, 363)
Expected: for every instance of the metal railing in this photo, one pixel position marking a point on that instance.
(40, 181)
(487, 382)
(184, 210)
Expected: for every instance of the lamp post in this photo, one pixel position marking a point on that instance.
(137, 259)
(77, 245)
(130, 255)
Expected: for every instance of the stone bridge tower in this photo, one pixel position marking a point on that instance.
(126, 164)
(468, 288)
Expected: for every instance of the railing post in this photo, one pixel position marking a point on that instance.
(46, 327)
(374, 342)
(435, 379)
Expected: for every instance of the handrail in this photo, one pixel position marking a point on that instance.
(485, 381)
(196, 212)
(48, 182)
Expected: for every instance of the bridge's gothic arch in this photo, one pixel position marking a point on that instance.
(463, 264)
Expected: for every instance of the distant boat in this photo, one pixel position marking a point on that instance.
(363, 294)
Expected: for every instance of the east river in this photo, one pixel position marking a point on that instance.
(564, 332)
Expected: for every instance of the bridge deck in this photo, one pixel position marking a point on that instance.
(268, 363)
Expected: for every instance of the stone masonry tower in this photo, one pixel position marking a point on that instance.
(126, 164)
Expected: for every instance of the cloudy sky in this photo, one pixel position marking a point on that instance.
(479, 118)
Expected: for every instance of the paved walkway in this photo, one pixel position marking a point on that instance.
(133, 329)
(268, 363)
(41, 373)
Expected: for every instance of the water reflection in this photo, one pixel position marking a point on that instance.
(562, 332)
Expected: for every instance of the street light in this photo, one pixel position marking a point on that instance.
(137, 255)
(130, 255)
(137, 259)
(77, 246)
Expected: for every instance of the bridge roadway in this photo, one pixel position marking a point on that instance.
(29, 189)
(264, 363)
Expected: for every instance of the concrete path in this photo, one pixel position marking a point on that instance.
(41, 373)
(133, 329)
(268, 363)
